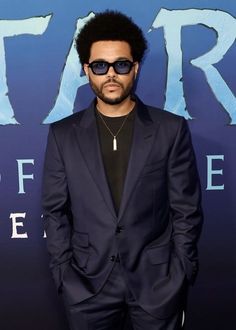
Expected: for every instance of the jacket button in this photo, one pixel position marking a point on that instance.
(113, 258)
(119, 229)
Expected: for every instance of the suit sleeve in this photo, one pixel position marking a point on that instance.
(56, 210)
(185, 200)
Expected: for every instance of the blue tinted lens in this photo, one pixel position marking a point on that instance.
(102, 67)
(123, 67)
(99, 67)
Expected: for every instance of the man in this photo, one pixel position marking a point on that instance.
(121, 194)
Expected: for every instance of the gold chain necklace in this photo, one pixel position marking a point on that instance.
(115, 146)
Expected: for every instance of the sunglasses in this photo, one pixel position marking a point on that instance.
(102, 67)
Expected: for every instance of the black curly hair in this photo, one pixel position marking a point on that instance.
(110, 25)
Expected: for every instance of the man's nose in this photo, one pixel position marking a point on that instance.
(111, 72)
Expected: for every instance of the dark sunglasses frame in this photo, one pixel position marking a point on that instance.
(115, 66)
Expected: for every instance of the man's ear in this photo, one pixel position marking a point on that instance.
(86, 69)
(136, 67)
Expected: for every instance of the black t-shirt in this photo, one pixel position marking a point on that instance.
(116, 162)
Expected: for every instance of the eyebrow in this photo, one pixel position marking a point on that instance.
(117, 59)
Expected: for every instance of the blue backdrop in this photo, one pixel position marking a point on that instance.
(189, 69)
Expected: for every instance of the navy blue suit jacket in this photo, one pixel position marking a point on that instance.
(159, 221)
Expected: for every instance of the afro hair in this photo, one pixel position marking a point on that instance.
(112, 26)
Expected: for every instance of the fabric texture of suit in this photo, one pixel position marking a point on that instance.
(159, 220)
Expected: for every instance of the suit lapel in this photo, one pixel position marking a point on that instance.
(88, 140)
(143, 137)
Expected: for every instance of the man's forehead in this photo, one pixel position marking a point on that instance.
(109, 49)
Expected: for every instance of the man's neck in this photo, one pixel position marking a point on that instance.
(115, 110)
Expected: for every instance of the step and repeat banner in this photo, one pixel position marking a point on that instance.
(189, 70)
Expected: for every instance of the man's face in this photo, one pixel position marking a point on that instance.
(111, 88)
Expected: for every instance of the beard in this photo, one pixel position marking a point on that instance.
(98, 90)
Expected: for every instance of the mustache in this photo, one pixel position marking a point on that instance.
(113, 81)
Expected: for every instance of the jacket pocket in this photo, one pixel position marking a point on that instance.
(80, 244)
(159, 254)
(80, 239)
(154, 167)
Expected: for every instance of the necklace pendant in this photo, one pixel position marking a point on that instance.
(114, 144)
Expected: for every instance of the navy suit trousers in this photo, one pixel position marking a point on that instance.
(114, 308)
